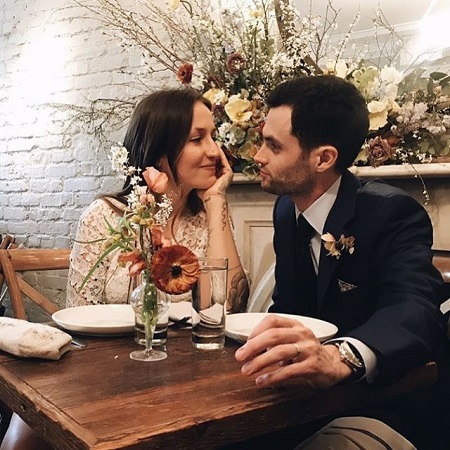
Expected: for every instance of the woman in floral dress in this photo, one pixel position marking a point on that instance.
(173, 131)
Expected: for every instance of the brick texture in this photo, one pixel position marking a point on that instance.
(50, 54)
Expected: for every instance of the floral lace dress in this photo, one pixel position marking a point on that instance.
(110, 283)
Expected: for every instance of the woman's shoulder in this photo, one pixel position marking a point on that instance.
(103, 206)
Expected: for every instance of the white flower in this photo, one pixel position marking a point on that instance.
(238, 109)
(378, 114)
(216, 96)
(435, 129)
(174, 4)
(119, 158)
(338, 68)
(391, 75)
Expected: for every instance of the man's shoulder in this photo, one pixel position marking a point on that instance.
(376, 196)
(381, 190)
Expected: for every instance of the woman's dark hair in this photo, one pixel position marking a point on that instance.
(160, 126)
(326, 110)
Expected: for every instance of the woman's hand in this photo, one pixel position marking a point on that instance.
(224, 177)
(281, 350)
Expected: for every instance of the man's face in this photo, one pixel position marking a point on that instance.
(285, 167)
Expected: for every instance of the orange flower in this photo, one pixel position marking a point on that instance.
(137, 263)
(133, 257)
(175, 269)
(158, 240)
(156, 181)
(136, 268)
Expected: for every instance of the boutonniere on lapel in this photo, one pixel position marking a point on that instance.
(337, 247)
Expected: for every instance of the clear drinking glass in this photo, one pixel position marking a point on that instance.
(209, 297)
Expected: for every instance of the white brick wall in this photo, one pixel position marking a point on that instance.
(49, 54)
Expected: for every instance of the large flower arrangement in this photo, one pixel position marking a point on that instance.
(409, 115)
(237, 59)
(235, 56)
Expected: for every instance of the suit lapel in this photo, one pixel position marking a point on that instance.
(341, 213)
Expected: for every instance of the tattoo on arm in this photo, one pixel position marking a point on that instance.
(239, 293)
(224, 215)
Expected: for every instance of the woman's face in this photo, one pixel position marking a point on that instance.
(196, 165)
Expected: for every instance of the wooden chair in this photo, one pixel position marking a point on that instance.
(14, 261)
(7, 241)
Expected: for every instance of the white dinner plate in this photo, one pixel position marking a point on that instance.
(96, 319)
(239, 326)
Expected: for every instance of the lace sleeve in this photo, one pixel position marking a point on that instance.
(110, 282)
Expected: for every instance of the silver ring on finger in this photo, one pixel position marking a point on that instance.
(297, 351)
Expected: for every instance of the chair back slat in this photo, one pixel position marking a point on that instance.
(17, 260)
(39, 259)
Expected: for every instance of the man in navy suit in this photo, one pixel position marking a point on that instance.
(369, 248)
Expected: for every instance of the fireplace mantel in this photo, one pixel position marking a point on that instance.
(426, 170)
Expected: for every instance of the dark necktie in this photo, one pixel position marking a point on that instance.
(307, 278)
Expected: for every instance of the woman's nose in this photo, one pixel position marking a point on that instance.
(212, 150)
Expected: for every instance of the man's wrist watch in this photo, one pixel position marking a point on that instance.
(351, 357)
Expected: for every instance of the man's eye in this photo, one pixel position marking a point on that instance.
(272, 145)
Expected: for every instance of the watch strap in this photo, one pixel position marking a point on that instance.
(350, 356)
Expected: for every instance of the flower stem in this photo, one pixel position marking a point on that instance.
(149, 314)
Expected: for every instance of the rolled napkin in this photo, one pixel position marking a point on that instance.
(32, 340)
(179, 311)
(212, 315)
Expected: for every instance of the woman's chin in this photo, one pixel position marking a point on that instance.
(206, 182)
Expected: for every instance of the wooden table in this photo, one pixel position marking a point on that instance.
(98, 398)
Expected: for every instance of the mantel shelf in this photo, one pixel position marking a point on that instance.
(426, 170)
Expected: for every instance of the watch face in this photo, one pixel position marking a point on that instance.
(349, 357)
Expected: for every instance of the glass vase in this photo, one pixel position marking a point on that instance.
(148, 306)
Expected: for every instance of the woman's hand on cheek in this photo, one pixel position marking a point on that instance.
(224, 177)
(224, 174)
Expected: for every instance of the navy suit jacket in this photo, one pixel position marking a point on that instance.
(393, 306)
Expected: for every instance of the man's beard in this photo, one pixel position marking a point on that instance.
(286, 187)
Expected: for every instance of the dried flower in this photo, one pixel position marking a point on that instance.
(235, 63)
(379, 151)
(175, 269)
(184, 73)
(335, 248)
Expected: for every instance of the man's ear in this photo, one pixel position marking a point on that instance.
(325, 157)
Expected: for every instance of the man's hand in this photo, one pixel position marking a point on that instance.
(286, 351)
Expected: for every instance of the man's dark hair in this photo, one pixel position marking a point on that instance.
(326, 110)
